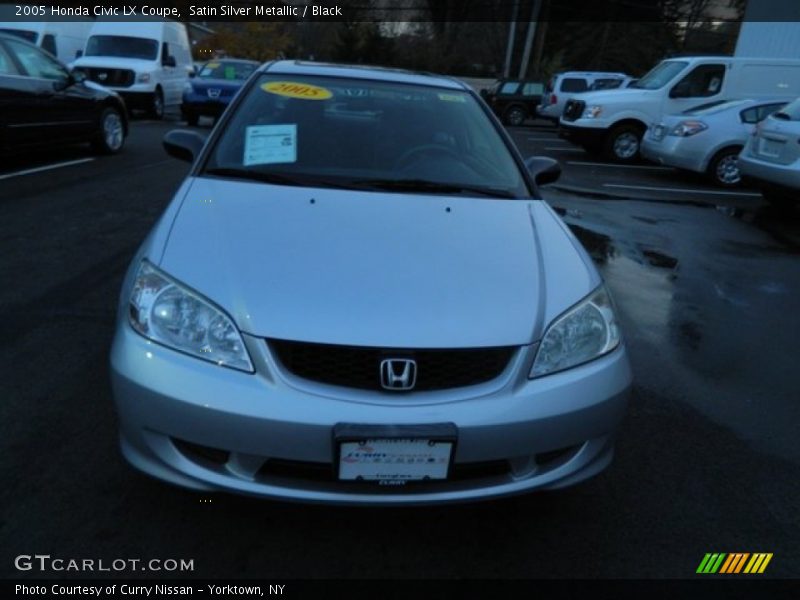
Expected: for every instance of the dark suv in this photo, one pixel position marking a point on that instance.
(514, 100)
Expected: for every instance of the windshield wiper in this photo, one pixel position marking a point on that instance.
(424, 185)
(276, 178)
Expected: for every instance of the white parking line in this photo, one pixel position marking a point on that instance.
(45, 168)
(596, 164)
(560, 149)
(683, 191)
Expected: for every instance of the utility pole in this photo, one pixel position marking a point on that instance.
(512, 31)
(526, 54)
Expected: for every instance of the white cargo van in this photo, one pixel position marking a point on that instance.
(147, 63)
(64, 40)
(614, 121)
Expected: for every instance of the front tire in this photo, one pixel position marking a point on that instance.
(515, 116)
(157, 104)
(111, 137)
(723, 169)
(623, 144)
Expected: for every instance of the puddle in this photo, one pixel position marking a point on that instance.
(598, 245)
(657, 259)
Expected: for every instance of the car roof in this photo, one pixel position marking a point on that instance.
(297, 67)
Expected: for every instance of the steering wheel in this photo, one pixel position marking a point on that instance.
(406, 157)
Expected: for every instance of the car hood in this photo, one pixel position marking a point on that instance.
(115, 62)
(376, 269)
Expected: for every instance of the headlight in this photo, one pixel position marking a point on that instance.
(687, 128)
(166, 312)
(590, 112)
(586, 331)
(143, 77)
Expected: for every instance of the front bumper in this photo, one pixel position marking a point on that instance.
(674, 151)
(203, 107)
(169, 405)
(583, 136)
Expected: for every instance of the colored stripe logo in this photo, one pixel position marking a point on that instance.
(734, 563)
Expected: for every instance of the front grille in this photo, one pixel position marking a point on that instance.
(573, 109)
(110, 77)
(359, 367)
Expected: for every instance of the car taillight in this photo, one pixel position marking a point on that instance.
(553, 98)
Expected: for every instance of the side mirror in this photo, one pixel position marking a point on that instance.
(543, 169)
(169, 61)
(192, 73)
(78, 53)
(183, 144)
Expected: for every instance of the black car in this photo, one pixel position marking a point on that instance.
(514, 100)
(42, 103)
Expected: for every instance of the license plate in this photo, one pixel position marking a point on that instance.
(394, 460)
(771, 147)
(394, 454)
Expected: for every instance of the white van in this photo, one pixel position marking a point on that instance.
(562, 85)
(147, 63)
(64, 40)
(614, 121)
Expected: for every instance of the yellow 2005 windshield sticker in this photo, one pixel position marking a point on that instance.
(292, 89)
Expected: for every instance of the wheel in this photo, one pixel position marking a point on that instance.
(623, 142)
(192, 119)
(157, 104)
(724, 167)
(111, 137)
(515, 116)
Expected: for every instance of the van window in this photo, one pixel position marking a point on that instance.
(25, 34)
(573, 84)
(660, 75)
(703, 81)
(49, 44)
(123, 46)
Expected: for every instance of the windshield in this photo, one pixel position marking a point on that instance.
(660, 75)
(227, 70)
(311, 130)
(123, 46)
(25, 34)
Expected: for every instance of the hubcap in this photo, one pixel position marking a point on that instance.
(112, 130)
(728, 170)
(515, 116)
(158, 104)
(626, 145)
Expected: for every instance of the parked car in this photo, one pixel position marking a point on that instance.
(564, 85)
(771, 158)
(42, 103)
(514, 100)
(63, 39)
(613, 122)
(325, 314)
(210, 91)
(147, 63)
(708, 138)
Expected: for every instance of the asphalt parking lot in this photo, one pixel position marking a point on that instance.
(707, 460)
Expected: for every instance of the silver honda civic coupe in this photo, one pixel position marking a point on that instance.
(357, 297)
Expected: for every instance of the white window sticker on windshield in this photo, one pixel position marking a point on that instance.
(270, 144)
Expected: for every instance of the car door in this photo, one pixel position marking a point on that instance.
(704, 83)
(53, 109)
(13, 99)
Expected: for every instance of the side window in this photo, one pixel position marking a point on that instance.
(509, 87)
(750, 115)
(164, 51)
(49, 44)
(573, 84)
(37, 63)
(532, 89)
(767, 109)
(702, 82)
(6, 64)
